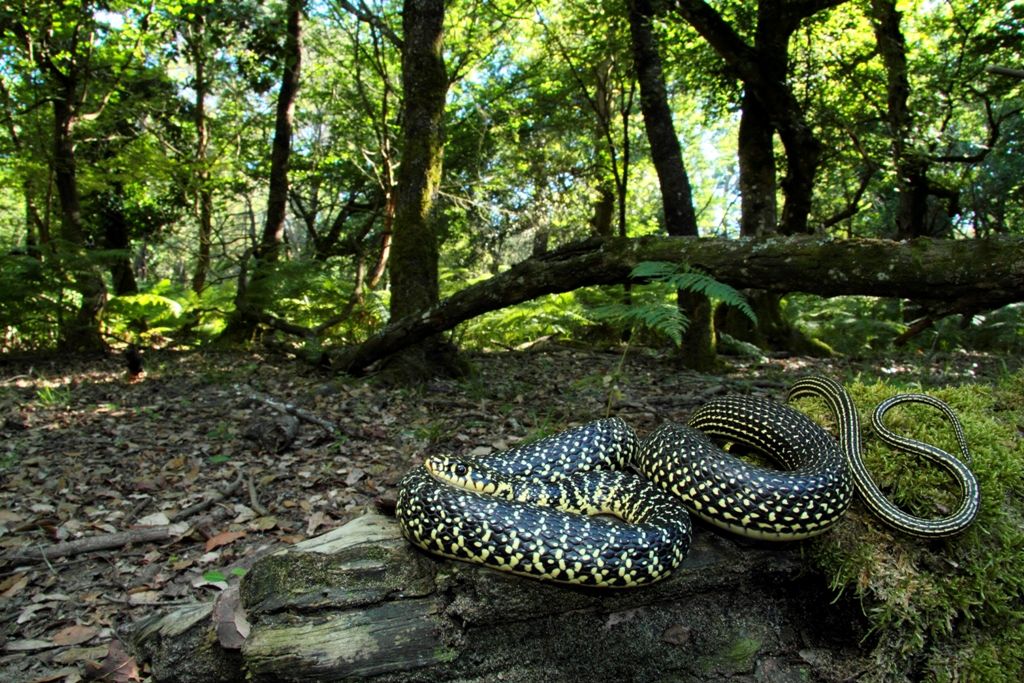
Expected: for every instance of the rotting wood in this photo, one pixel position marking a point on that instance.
(361, 604)
(975, 275)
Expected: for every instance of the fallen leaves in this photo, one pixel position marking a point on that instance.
(117, 667)
(223, 538)
(75, 634)
(229, 618)
(12, 585)
(316, 520)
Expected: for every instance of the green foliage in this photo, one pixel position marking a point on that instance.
(1000, 331)
(558, 316)
(31, 305)
(554, 316)
(862, 325)
(542, 118)
(217, 576)
(8, 460)
(941, 610)
(308, 292)
(54, 397)
(146, 314)
(662, 316)
(852, 325)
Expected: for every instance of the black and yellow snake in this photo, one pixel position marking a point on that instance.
(564, 509)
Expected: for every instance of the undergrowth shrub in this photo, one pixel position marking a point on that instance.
(659, 311)
(35, 298)
(941, 610)
(555, 316)
(861, 325)
(652, 309)
(149, 317)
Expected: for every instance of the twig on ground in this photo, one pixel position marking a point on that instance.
(254, 500)
(290, 409)
(90, 543)
(216, 497)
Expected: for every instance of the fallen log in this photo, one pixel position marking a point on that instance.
(964, 275)
(361, 604)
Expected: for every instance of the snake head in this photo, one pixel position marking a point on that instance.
(462, 473)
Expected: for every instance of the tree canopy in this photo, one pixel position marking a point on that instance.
(138, 139)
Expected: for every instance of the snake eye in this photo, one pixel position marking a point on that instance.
(460, 469)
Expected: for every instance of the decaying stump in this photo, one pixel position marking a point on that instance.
(359, 603)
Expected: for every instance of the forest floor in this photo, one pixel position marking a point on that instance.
(200, 454)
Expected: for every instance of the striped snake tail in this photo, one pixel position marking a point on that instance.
(845, 415)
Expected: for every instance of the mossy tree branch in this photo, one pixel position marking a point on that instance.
(954, 275)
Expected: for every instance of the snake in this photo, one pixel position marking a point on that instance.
(560, 509)
(594, 506)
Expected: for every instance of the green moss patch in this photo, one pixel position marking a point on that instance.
(948, 609)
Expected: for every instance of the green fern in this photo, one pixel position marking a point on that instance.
(664, 317)
(689, 279)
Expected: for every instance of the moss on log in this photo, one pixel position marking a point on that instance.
(962, 275)
(360, 604)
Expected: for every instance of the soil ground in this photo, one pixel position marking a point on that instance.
(87, 451)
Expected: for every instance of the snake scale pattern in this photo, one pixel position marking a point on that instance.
(567, 508)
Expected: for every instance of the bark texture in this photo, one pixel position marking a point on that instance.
(698, 347)
(676, 194)
(361, 604)
(80, 333)
(252, 297)
(955, 275)
(414, 245)
(924, 208)
(197, 50)
(277, 196)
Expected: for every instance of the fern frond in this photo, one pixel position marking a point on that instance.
(653, 270)
(662, 318)
(689, 279)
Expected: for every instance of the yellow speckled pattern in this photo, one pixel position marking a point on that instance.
(563, 509)
(558, 511)
(804, 500)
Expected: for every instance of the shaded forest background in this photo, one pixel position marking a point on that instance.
(181, 173)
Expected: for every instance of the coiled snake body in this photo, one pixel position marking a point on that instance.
(562, 509)
(559, 509)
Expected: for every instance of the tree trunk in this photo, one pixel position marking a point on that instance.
(277, 196)
(252, 294)
(756, 151)
(414, 245)
(361, 604)
(82, 332)
(951, 275)
(698, 346)
(204, 193)
(769, 106)
(414, 248)
(604, 209)
(604, 206)
(762, 68)
(912, 185)
(676, 195)
(116, 239)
